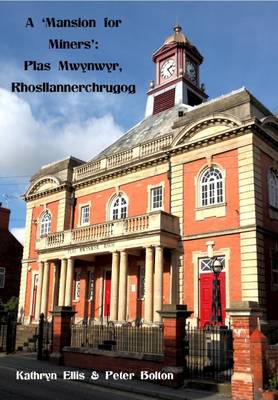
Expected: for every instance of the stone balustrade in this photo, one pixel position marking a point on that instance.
(153, 222)
(123, 157)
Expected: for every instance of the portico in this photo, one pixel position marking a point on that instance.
(153, 251)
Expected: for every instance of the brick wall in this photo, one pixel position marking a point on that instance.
(105, 361)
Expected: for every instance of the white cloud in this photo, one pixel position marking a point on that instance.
(19, 234)
(27, 142)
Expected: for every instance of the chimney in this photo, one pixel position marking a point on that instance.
(4, 218)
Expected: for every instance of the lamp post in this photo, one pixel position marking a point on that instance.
(216, 311)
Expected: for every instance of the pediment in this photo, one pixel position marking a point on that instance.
(43, 184)
(206, 128)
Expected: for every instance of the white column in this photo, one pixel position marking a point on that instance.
(45, 287)
(62, 283)
(174, 277)
(123, 286)
(39, 291)
(158, 283)
(114, 286)
(69, 281)
(148, 304)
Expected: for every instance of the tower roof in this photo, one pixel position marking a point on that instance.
(177, 36)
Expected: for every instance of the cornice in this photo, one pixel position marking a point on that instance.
(161, 156)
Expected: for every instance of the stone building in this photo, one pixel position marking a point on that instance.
(138, 225)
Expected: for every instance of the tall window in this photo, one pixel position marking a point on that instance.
(273, 188)
(90, 292)
(45, 225)
(85, 215)
(77, 286)
(211, 187)
(274, 270)
(142, 282)
(2, 277)
(118, 207)
(156, 198)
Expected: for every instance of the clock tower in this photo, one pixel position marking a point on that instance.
(177, 75)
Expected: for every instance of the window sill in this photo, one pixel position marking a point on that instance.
(218, 210)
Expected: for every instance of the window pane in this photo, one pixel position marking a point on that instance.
(90, 293)
(77, 285)
(156, 197)
(118, 208)
(45, 225)
(205, 264)
(85, 215)
(211, 187)
(142, 282)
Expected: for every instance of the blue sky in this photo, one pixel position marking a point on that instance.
(239, 42)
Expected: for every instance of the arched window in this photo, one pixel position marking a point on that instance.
(211, 187)
(273, 188)
(118, 207)
(45, 224)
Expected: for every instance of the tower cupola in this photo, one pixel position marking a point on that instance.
(177, 76)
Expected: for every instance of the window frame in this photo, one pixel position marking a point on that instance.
(42, 230)
(160, 196)
(112, 208)
(207, 264)
(272, 183)
(207, 185)
(150, 196)
(2, 277)
(82, 208)
(141, 281)
(90, 285)
(77, 285)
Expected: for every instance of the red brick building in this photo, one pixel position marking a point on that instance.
(137, 226)
(10, 259)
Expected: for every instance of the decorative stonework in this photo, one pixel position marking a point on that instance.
(43, 184)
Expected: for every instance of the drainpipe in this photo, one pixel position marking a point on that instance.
(73, 206)
(169, 177)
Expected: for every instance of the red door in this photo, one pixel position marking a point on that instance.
(107, 292)
(206, 283)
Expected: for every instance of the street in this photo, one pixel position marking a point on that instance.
(13, 389)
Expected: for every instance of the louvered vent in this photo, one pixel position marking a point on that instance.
(164, 101)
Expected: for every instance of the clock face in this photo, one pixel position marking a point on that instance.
(191, 71)
(168, 68)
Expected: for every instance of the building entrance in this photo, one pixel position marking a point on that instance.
(206, 278)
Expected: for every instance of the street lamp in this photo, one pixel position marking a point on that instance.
(216, 311)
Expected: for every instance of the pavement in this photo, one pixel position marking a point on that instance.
(27, 362)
